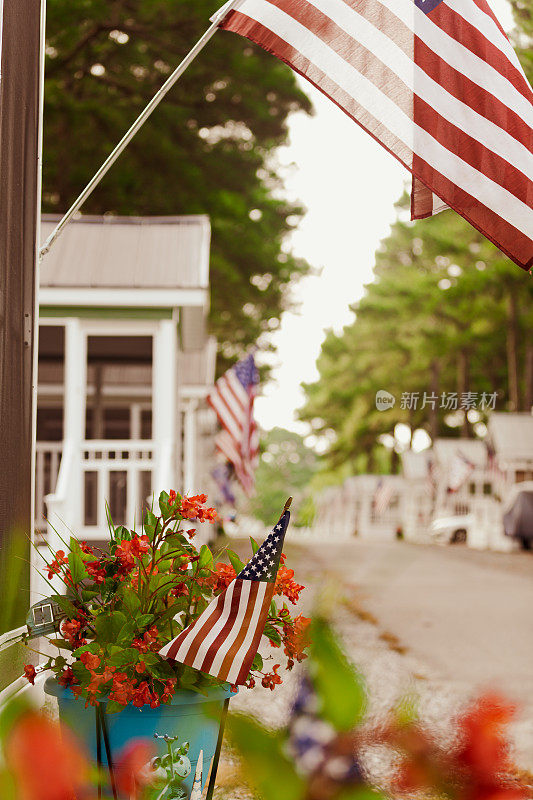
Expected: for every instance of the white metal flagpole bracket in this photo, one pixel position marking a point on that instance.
(139, 122)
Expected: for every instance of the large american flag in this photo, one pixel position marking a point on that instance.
(436, 82)
(232, 399)
(224, 639)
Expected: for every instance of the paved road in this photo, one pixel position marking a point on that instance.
(458, 619)
(440, 623)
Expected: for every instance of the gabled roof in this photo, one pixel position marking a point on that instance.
(474, 450)
(127, 253)
(511, 435)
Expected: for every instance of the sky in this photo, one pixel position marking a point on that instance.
(349, 185)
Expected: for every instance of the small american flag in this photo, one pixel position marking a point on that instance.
(436, 82)
(224, 639)
(382, 496)
(232, 399)
(460, 470)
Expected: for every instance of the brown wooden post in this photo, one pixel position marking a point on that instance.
(20, 132)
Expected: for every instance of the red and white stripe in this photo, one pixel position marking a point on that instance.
(383, 496)
(223, 641)
(444, 92)
(238, 441)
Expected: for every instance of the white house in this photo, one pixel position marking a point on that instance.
(354, 508)
(510, 436)
(124, 369)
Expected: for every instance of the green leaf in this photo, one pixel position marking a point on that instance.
(131, 600)
(273, 634)
(112, 707)
(150, 524)
(236, 562)
(338, 685)
(61, 644)
(164, 506)
(144, 620)
(206, 557)
(122, 533)
(88, 594)
(257, 663)
(263, 753)
(126, 633)
(161, 670)
(109, 625)
(75, 562)
(65, 604)
(123, 657)
(255, 546)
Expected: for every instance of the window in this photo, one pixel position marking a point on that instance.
(487, 488)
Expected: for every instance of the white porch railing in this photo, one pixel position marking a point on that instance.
(118, 475)
(47, 461)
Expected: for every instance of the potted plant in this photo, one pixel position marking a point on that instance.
(123, 605)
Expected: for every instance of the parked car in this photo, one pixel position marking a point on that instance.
(518, 514)
(451, 530)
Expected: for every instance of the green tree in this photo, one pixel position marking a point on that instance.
(285, 468)
(207, 148)
(446, 312)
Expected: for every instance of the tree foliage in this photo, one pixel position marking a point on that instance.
(446, 312)
(285, 468)
(206, 150)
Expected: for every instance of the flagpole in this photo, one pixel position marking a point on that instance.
(137, 125)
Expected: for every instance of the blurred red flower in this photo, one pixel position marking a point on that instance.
(132, 770)
(46, 763)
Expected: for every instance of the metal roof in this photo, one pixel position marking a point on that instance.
(128, 253)
(511, 435)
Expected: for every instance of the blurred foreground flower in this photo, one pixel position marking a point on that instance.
(322, 754)
(46, 763)
(476, 765)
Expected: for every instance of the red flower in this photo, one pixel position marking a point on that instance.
(56, 565)
(172, 497)
(71, 630)
(46, 763)
(193, 508)
(221, 577)
(272, 679)
(296, 638)
(131, 770)
(86, 548)
(30, 673)
(90, 661)
(66, 678)
(286, 586)
(484, 749)
(140, 545)
(96, 571)
(142, 695)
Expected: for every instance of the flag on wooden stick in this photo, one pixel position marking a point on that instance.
(232, 399)
(224, 639)
(436, 82)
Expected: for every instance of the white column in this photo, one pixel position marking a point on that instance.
(164, 403)
(65, 506)
(189, 448)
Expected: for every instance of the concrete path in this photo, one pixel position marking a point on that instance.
(438, 623)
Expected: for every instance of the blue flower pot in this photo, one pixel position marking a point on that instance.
(193, 717)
